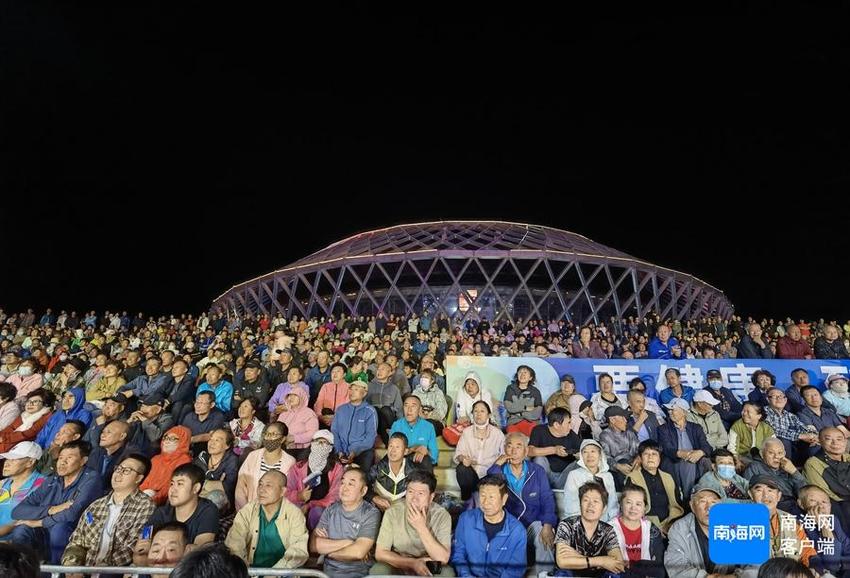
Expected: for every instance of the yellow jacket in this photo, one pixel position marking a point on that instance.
(245, 532)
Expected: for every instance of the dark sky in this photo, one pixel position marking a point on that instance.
(154, 157)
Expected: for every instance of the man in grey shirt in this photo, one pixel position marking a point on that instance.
(385, 397)
(347, 529)
(620, 443)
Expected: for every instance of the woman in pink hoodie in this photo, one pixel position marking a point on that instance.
(301, 421)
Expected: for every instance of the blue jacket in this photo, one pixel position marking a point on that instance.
(658, 350)
(354, 428)
(223, 394)
(669, 439)
(315, 379)
(537, 503)
(651, 424)
(666, 395)
(60, 418)
(143, 385)
(86, 489)
(473, 555)
(420, 434)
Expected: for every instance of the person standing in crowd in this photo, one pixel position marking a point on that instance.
(355, 430)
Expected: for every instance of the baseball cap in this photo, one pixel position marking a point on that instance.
(568, 377)
(707, 488)
(324, 434)
(714, 373)
(155, 398)
(703, 395)
(23, 450)
(615, 410)
(765, 480)
(677, 402)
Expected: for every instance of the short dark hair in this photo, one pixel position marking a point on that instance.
(81, 427)
(7, 391)
(47, 396)
(209, 393)
(721, 453)
(423, 477)
(629, 487)
(280, 425)
(648, 445)
(229, 438)
(784, 568)
(798, 370)
(354, 468)
(18, 561)
(83, 447)
(808, 388)
(174, 526)
(494, 480)
(593, 487)
(340, 365)
(635, 381)
(557, 415)
(191, 471)
(210, 561)
(142, 459)
(399, 436)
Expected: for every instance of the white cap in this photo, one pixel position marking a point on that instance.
(703, 395)
(677, 402)
(23, 450)
(324, 434)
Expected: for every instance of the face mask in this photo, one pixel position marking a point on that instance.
(272, 445)
(169, 447)
(63, 357)
(482, 427)
(714, 384)
(839, 387)
(25, 371)
(726, 471)
(425, 384)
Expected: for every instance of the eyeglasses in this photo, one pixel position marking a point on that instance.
(35, 400)
(171, 439)
(123, 470)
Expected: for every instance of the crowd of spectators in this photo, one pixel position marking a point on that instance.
(314, 442)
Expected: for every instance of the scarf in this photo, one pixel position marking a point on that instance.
(319, 463)
(28, 419)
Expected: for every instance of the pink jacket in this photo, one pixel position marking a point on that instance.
(295, 483)
(250, 474)
(331, 396)
(25, 385)
(302, 422)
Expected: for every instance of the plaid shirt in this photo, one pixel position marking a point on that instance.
(787, 426)
(84, 543)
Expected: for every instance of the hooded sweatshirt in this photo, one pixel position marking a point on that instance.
(164, 464)
(61, 417)
(580, 476)
(466, 401)
(280, 393)
(302, 422)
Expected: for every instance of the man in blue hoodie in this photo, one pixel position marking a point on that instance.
(48, 516)
(530, 498)
(488, 541)
(355, 426)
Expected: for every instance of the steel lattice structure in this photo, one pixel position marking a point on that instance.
(479, 269)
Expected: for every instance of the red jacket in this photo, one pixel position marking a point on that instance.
(9, 437)
(787, 348)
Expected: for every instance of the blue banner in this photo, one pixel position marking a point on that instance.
(497, 372)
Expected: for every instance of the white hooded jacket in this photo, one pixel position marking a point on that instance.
(580, 476)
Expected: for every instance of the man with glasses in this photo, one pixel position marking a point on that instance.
(794, 435)
(108, 529)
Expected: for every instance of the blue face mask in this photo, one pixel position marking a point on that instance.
(715, 384)
(726, 471)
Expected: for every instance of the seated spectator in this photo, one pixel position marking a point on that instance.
(723, 477)
(332, 395)
(829, 470)
(414, 531)
(37, 411)
(203, 421)
(348, 528)
(211, 561)
(815, 415)
(728, 407)
(149, 382)
(106, 385)
(270, 457)
(27, 380)
(589, 427)
(830, 345)
(471, 392)
(675, 389)
(554, 446)
(605, 398)
(643, 422)
(111, 409)
(753, 345)
(20, 478)
(48, 515)
(72, 430)
(530, 498)
(72, 408)
(747, 435)
(277, 403)
(247, 427)
(488, 541)
(523, 402)
(773, 463)
(687, 548)
(684, 446)
(221, 468)
(837, 394)
(586, 348)
(763, 381)
(107, 531)
(166, 549)
(174, 452)
(795, 436)
(110, 450)
(385, 397)
(354, 433)
(592, 465)
(619, 443)
(318, 374)
(252, 382)
(703, 414)
(792, 345)
(636, 384)
(662, 495)
(641, 542)
(301, 423)
(663, 346)
(152, 419)
(388, 477)
(434, 405)
(561, 398)
(585, 544)
(799, 380)
(96, 370)
(786, 540)
(313, 483)
(182, 396)
(221, 389)
(269, 531)
(68, 379)
(421, 437)
(815, 504)
(185, 505)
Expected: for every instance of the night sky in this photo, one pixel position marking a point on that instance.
(152, 158)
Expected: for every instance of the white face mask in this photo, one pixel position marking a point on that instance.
(63, 357)
(25, 371)
(169, 447)
(839, 387)
(425, 384)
